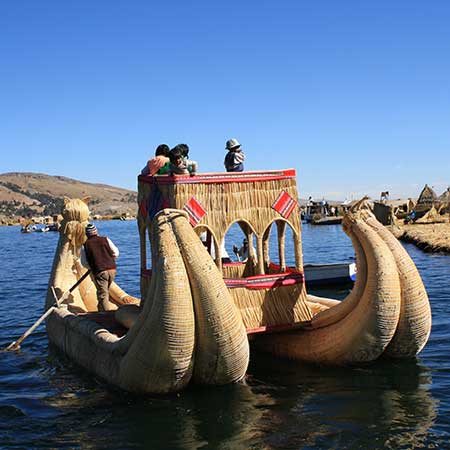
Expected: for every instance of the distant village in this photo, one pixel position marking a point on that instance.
(427, 208)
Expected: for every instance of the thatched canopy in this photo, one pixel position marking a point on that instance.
(216, 201)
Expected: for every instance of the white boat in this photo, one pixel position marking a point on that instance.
(326, 274)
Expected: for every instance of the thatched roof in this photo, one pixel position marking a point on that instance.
(445, 196)
(427, 196)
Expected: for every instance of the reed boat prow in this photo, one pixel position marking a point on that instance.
(198, 314)
(157, 354)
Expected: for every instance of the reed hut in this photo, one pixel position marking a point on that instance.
(444, 202)
(425, 202)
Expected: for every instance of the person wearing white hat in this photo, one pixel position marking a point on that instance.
(234, 159)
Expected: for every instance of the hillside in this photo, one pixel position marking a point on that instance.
(22, 194)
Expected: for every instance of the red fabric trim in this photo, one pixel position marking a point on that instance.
(220, 177)
(265, 281)
(195, 211)
(284, 204)
(276, 328)
(287, 278)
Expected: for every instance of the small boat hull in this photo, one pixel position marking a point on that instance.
(329, 274)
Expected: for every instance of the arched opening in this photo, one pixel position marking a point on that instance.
(209, 240)
(287, 250)
(240, 243)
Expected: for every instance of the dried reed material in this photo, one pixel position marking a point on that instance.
(227, 203)
(338, 312)
(276, 306)
(160, 356)
(428, 237)
(235, 271)
(64, 272)
(120, 297)
(414, 326)
(316, 308)
(432, 216)
(364, 333)
(156, 355)
(222, 351)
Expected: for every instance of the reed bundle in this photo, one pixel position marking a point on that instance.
(429, 237)
(276, 306)
(414, 326)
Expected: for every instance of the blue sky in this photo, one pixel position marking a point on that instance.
(354, 95)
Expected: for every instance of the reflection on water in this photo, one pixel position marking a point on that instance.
(382, 405)
(46, 401)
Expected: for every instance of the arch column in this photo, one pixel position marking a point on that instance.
(281, 232)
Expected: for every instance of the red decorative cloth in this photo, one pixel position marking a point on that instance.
(284, 204)
(195, 211)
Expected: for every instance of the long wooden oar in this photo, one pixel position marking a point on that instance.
(16, 344)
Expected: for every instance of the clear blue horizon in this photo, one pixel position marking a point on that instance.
(354, 95)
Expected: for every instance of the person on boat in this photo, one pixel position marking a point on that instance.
(100, 254)
(206, 238)
(241, 253)
(184, 150)
(180, 165)
(159, 164)
(234, 159)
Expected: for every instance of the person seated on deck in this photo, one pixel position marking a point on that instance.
(234, 159)
(180, 166)
(241, 253)
(100, 254)
(159, 164)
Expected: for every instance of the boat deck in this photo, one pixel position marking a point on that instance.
(107, 320)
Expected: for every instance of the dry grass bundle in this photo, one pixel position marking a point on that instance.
(364, 332)
(432, 216)
(429, 237)
(276, 306)
(222, 351)
(414, 324)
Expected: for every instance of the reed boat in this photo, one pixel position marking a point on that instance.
(197, 315)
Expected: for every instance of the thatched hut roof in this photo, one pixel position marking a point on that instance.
(427, 196)
(445, 196)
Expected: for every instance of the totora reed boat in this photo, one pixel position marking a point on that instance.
(197, 314)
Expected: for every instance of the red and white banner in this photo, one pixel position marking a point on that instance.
(195, 211)
(284, 204)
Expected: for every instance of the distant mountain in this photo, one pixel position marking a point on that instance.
(24, 193)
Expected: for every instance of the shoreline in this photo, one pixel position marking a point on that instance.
(15, 223)
(431, 238)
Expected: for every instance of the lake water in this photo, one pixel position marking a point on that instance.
(47, 402)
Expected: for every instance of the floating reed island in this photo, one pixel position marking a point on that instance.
(433, 237)
(198, 313)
